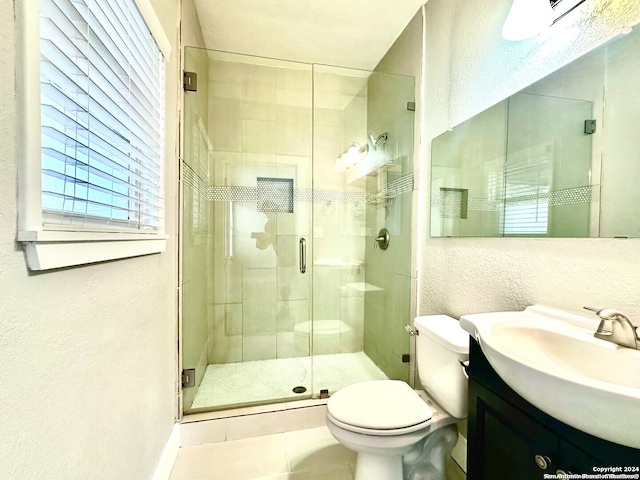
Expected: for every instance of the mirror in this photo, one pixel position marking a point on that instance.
(560, 158)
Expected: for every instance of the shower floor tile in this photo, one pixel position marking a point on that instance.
(268, 380)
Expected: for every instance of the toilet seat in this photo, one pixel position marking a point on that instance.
(379, 432)
(379, 407)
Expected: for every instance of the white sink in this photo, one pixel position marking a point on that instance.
(551, 358)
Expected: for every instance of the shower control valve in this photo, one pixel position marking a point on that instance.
(382, 240)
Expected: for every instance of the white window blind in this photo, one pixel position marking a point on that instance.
(527, 188)
(102, 113)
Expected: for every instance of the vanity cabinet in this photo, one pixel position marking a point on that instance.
(508, 438)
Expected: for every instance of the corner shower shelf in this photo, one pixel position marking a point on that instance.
(364, 287)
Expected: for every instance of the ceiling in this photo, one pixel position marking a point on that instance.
(348, 33)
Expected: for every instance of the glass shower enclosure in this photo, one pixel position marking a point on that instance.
(286, 171)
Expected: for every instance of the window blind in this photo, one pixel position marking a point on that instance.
(527, 187)
(102, 116)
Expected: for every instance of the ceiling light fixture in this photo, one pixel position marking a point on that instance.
(526, 19)
(351, 156)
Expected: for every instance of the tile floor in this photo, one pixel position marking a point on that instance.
(311, 454)
(225, 384)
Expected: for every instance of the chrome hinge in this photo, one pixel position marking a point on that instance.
(189, 378)
(190, 81)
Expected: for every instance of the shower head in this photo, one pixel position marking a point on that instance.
(375, 140)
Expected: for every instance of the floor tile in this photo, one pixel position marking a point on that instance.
(237, 460)
(314, 449)
(311, 454)
(341, 472)
(453, 470)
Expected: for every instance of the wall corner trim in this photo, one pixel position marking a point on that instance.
(169, 455)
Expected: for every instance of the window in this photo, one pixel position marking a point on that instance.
(93, 86)
(527, 191)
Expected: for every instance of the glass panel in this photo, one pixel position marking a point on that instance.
(576, 131)
(520, 168)
(255, 328)
(548, 166)
(363, 181)
(246, 176)
(468, 161)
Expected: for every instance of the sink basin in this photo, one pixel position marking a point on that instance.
(551, 358)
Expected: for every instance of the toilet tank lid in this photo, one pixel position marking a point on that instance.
(444, 330)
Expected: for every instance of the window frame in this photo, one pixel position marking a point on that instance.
(54, 247)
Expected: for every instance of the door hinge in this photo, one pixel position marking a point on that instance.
(589, 127)
(190, 81)
(411, 106)
(189, 378)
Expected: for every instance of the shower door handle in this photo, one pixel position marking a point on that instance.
(303, 255)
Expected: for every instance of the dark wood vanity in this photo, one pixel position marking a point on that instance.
(510, 439)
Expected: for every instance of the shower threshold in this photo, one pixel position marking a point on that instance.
(269, 381)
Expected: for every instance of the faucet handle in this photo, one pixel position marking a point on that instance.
(606, 315)
(615, 327)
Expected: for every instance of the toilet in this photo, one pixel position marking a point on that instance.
(399, 432)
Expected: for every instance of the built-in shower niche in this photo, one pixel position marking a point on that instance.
(274, 195)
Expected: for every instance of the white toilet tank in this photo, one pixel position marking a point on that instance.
(440, 346)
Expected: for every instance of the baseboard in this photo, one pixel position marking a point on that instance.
(225, 429)
(459, 453)
(169, 454)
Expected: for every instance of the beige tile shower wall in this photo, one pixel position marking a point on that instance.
(468, 68)
(389, 309)
(260, 127)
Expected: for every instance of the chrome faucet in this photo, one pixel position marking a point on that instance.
(616, 327)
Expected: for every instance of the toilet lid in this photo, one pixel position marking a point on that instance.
(379, 404)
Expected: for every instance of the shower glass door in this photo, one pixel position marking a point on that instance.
(286, 164)
(363, 132)
(246, 176)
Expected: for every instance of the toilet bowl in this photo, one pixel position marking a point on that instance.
(399, 432)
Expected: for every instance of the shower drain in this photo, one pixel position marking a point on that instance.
(299, 389)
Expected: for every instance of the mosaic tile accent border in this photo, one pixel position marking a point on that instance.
(570, 196)
(250, 194)
(485, 205)
(260, 193)
(322, 196)
(232, 194)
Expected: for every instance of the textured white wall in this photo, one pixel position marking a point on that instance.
(87, 355)
(468, 67)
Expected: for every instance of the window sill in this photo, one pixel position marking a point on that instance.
(51, 250)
